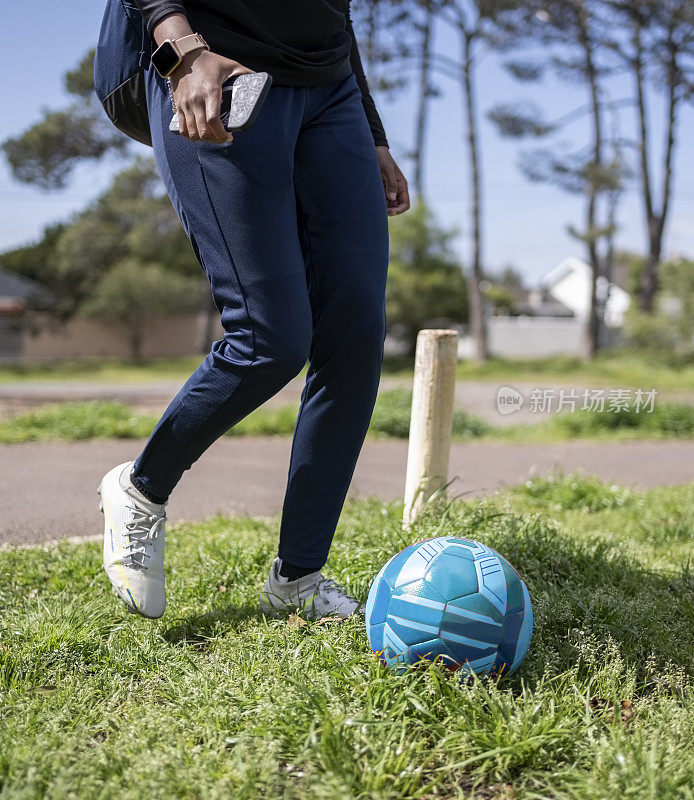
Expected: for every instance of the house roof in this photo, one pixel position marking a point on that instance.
(566, 267)
(569, 283)
(17, 287)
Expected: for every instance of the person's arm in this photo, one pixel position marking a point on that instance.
(367, 101)
(154, 10)
(196, 83)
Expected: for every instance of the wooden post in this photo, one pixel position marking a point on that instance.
(431, 421)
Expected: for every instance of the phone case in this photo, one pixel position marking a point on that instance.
(242, 98)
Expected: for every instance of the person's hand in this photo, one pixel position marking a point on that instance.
(197, 90)
(394, 183)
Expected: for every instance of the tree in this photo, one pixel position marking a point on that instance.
(132, 293)
(654, 41)
(499, 298)
(36, 261)
(478, 24)
(133, 220)
(425, 281)
(47, 152)
(512, 280)
(398, 39)
(571, 33)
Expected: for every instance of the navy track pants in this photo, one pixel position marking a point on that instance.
(289, 222)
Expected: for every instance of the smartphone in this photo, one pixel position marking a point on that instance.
(242, 98)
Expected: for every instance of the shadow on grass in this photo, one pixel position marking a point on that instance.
(199, 629)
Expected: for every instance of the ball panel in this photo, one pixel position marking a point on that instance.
(394, 650)
(432, 650)
(374, 635)
(417, 601)
(467, 548)
(514, 599)
(420, 588)
(452, 576)
(411, 631)
(417, 563)
(480, 666)
(466, 648)
(491, 632)
(477, 607)
(392, 567)
(526, 631)
(492, 580)
(377, 602)
(508, 644)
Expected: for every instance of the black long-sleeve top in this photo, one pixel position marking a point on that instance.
(310, 42)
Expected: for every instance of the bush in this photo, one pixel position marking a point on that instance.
(77, 421)
(266, 422)
(668, 331)
(391, 417)
(669, 419)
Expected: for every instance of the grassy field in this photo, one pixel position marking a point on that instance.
(215, 701)
(391, 419)
(613, 368)
(103, 370)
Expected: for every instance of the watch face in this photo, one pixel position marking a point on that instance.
(165, 58)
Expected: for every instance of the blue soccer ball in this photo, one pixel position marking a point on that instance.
(453, 600)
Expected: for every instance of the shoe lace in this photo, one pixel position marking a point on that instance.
(142, 530)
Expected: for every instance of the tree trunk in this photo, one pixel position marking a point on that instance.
(591, 335)
(592, 329)
(645, 283)
(423, 104)
(608, 265)
(478, 322)
(648, 284)
(656, 222)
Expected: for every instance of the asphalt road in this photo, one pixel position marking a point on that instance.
(48, 490)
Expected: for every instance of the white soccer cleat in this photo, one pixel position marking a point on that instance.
(314, 594)
(133, 543)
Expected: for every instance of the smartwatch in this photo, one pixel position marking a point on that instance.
(170, 52)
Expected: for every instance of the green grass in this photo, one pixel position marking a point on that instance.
(613, 368)
(102, 370)
(76, 422)
(610, 368)
(666, 421)
(391, 419)
(100, 420)
(215, 701)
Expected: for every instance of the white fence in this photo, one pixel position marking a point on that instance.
(528, 337)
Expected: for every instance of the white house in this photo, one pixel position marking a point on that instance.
(569, 283)
(553, 320)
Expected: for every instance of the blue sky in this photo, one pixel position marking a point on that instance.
(525, 224)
